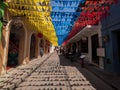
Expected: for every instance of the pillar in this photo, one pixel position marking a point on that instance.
(37, 48)
(4, 44)
(101, 62)
(90, 49)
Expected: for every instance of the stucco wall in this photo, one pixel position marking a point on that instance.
(109, 25)
(24, 49)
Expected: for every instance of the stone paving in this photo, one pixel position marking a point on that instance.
(45, 74)
(15, 76)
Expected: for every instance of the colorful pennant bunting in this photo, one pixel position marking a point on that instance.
(36, 16)
(64, 14)
(57, 20)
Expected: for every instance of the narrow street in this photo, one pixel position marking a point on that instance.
(59, 45)
(53, 73)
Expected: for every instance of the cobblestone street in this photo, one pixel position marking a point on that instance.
(59, 44)
(52, 73)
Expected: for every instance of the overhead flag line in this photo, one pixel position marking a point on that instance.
(36, 16)
(64, 14)
(92, 12)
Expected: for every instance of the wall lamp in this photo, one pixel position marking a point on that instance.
(105, 38)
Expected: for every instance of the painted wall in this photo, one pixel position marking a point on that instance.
(109, 26)
(24, 53)
(52, 48)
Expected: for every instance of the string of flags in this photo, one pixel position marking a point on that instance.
(36, 16)
(92, 12)
(59, 20)
(64, 14)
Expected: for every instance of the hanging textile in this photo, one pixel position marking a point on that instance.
(92, 12)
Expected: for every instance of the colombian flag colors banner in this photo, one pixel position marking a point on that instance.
(59, 20)
(54, 19)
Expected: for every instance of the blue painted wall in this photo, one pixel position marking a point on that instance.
(110, 26)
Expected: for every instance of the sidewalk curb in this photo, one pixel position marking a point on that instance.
(107, 82)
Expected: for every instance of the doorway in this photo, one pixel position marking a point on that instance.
(13, 51)
(118, 42)
(16, 48)
(32, 47)
(95, 45)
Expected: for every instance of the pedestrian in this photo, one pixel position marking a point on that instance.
(82, 57)
(41, 51)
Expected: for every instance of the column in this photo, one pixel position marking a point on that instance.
(101, 62)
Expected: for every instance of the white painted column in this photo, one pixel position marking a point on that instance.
(101, 62)
(52, 48)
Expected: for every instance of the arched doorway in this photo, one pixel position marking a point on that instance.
(32, 47)
(16, 44)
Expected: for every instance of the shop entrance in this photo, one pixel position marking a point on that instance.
(117, 54)
(116, 51)
(95, 45)
(13, 51)
(16, 45)
(118, 42)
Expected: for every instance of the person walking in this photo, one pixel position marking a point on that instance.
(41, 51)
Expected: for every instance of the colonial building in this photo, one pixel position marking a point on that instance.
(19, 44)
(87, 41)
(111, 39)
(99, 42)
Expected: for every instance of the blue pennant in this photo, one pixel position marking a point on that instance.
(64, 14)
